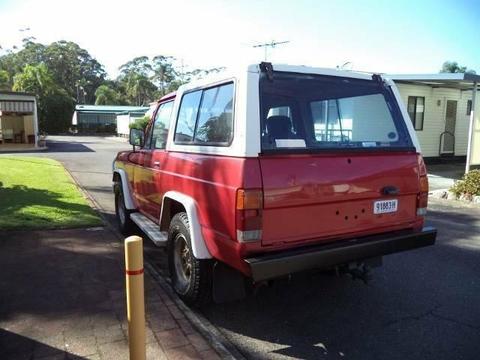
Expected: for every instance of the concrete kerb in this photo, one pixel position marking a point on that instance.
(218, 342)
(22, 151)
(446, 194)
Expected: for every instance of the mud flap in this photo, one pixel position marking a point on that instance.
(228, 284)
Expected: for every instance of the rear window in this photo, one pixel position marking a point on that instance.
(300, 111)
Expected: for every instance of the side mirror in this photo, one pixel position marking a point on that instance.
(136, 137)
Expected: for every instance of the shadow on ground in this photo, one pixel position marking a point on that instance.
(53, 273)
(67, 146)
(14, 346)
(51, 209)
(59, 286)
(421, 304)
(454, 170)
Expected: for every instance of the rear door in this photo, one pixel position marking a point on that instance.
(323, 196)
(337, 159)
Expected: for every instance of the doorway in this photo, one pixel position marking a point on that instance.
(448, 136)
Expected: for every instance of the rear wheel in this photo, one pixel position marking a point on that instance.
(125, 224)
(191, 277)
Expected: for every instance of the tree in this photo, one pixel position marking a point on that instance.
(140, 90)
(5, 83)
(71, 66)
(36, 79)
(104, 95)
(139, 65)
(453, 67)
(163, 73)
(74, 67)
(14, 62)
(55, 111)
(140, 123)
(55, 106)
(62, 71)
(135, 81)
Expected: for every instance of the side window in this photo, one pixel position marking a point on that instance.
(148, 136)
(205, 117)
(161, 126)
(215, 119)
(187, 116)
(416, 110)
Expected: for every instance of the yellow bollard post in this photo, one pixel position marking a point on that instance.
(135, 297)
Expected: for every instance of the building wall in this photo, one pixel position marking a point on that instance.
(434, 117)
(123, 122)
(12, 122)
(28, 125)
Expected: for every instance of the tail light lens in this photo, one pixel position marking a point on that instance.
(249, 206)
(422, 197)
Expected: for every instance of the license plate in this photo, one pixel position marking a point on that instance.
(385, 206)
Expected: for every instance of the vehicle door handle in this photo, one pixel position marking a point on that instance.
(390, 190)
(156, 163)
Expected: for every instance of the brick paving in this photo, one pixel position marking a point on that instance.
(62, 296)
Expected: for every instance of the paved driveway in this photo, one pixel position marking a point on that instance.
(443, 176)
(89, 159)
(422, 304)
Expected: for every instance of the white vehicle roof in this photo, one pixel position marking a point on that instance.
(238, 72)
(246, 140)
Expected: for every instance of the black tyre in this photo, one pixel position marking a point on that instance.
(191, 277)
(125, 224)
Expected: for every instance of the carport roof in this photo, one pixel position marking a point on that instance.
(110, 108)
(449, 80)
(6, 92)
(143, 112)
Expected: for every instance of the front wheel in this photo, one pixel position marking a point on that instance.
(125, 224)
(191, 277)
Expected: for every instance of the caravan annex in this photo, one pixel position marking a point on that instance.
(440, 107)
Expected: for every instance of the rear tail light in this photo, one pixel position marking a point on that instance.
(422, 197)
(249, 206)
(424, 184)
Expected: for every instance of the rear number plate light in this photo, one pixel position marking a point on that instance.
(385, 206)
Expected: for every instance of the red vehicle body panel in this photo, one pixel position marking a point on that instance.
(320, 196)
(211, 180)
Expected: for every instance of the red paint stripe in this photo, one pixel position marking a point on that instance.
(134, 272)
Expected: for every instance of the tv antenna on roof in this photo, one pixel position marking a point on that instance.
(344, 66)
(271, 44)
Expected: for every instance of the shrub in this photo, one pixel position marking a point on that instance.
(469, 186)
(140, 123)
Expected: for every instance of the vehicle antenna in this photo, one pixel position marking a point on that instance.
(271, 44)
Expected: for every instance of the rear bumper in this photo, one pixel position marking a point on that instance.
(269, 266)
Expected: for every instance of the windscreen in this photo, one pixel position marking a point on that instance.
(301, 111)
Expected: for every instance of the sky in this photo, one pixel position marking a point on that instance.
(378, 36)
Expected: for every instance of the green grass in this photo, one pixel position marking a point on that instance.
(38, 193)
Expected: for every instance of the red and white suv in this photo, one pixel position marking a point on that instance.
(274, 170)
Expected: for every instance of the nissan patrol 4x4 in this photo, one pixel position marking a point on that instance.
(273, 170)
